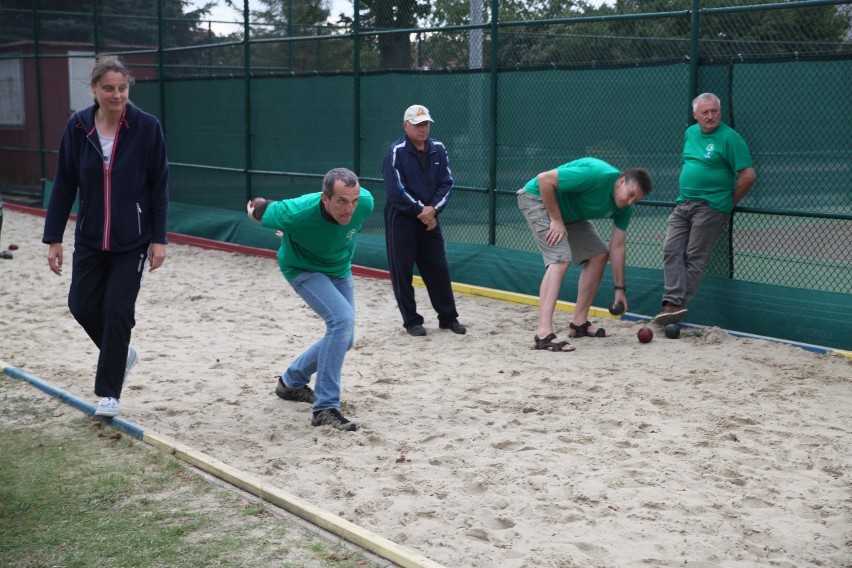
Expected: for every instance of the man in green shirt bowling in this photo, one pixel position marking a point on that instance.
(558, 206)
(317, 244)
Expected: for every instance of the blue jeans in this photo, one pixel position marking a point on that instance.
(333, 299)
(693, 228)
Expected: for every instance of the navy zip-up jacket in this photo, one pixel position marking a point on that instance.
(407, 187)
(123, 205)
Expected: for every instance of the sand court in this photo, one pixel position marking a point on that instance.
(475, 450)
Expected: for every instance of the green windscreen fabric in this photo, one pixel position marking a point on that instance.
(782, 248)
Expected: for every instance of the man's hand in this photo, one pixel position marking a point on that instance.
(620, 301)
(548, 185)
(427, 215)
(556, 232)
(256, 208)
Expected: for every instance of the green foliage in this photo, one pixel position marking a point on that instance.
(394, 49)
(290, 17)
(110, 24)
(298, 38)
(805, 30)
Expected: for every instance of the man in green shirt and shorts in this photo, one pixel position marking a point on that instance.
(317, 244)
(558, 206)
(716, 174)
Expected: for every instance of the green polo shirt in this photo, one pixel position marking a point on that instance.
(584, 192)
(311, 242)
(710, 165)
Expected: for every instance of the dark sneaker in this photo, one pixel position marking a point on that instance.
(333, 417)
(671, 313)
(454, 326)
(416, 330)
(303, 394)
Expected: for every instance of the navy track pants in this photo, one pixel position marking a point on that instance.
(409, 243)
(102, 298)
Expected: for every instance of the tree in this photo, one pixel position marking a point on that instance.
(532, 45)
(394, 49)
(808, 30)
(288, 19)
(122, 23)
(800, 30)
(291, 17)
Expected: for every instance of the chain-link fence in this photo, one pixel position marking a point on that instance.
(266, 104)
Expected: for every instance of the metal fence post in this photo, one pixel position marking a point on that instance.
(161, 66)
(356, 87)
(39, 97)
(694, 32)
(247, 95)
(492, 166)
(96, 32)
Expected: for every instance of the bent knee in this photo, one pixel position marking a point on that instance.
(343, 320)
(601, 258)
(671, 248)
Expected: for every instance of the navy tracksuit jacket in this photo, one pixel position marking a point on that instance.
(408, 188)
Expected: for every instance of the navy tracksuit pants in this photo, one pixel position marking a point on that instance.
(102, 298)
(409, 243)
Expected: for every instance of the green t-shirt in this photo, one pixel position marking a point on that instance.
(710, 165)
(584, 192)
(312, 243)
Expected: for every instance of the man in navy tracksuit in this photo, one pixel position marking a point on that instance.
(418, 184)
(115, 154)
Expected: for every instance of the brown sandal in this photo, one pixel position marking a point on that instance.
(582, 330)
(547, 343)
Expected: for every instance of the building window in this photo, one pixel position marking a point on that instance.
(80, 65)
(11, 92)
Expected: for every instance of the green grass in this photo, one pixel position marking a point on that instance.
(75, 492)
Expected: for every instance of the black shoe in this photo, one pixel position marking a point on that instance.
(416, 330)
(333, 417)
(304, 394)
(454, 326)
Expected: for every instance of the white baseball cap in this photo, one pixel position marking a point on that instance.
(415, 114)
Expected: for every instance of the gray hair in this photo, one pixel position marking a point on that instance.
(705, 97)
(348, 178)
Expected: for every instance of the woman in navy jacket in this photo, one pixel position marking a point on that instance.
(115, 155)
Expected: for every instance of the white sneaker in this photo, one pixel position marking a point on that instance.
(108, 406)
(132, 358)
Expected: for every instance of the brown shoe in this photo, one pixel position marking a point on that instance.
(670, 313)
(302, 394)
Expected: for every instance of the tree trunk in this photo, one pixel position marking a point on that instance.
(395, 52)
